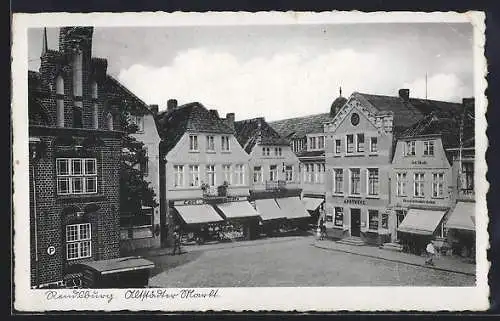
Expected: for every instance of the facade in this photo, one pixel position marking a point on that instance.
(202, 164)
(141, 230)
(75, 146)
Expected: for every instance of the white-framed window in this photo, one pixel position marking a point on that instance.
(76, 176)
(401, 184)
(429, 148)
(226, 172)
(350, 143)
(467, 176)
(373, 145)
(273, 173)
(225, 143)
(210, 143)
(373, 181)
(360, 143)
(257, 174)
(309, 173)
(239, 174)
(338, 181)
(437, 184)
(418, 184)
(210, 175)
(321, 142)
(339, 216)
(178, 175)
(289, 173)
(320, 173)
(137, 120)
(266, 151)
(312, 142)
(193, 142)
(78, 241)
(194, 175)
(338, 146)
(278, 151)
(409, 149)
(372, 220)
(355, 181)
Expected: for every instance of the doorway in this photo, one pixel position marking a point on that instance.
(355, 222)
(400, 216)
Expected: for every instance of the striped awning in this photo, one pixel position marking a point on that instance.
(423, 222)
(292, 207)
(312, 204)
(240, 209)
(268, 209)
(197, 214)
(463, 217)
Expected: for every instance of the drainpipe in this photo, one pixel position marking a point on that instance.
(36, 224)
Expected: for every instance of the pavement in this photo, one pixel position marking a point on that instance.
(441, 262)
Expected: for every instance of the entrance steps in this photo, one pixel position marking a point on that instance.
(392, 247)
(352, 240)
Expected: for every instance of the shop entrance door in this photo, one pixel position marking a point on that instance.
(355, 222)
(400, 216)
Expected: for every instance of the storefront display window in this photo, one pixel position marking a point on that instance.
(372, 220)
(339, 216)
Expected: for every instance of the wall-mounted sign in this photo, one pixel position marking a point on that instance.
(418, 201)
(419, 162)
(355, 201)
(189, 202)
(51, 250)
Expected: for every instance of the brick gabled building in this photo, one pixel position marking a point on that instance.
(75, 148)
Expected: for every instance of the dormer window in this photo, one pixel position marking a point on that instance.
(409, 148)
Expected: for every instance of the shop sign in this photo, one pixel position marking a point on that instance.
(419, 162)
(354, 201)
(51, 250)
(419, 201)
(190, 202)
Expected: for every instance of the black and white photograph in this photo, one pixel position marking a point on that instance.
(183, 162)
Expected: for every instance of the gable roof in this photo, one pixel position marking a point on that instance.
(299, 127)
(116, 91)
(192, 117)
(254, 131)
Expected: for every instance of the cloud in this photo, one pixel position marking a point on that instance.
(286, 84)
(447, 87)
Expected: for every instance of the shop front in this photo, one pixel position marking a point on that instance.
(315, 206)
(462, 229)
(241, 215)
(272, 216)
(295, 213)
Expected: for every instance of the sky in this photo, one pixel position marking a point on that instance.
(281, 71)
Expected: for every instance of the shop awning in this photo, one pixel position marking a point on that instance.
(463, 217)
(232, 210)
(423, 222)
(312, 204)
(122, 264)
(196, 214)
(268, 209)
(293, 207)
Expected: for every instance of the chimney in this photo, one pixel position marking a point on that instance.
(171, 104)
(404, 94)
(230, 119)
(154, 109)
(214, 112)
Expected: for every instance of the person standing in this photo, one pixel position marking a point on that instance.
(177, 239)
(431, 252)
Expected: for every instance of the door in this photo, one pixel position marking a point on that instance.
(400, 216)
(355, 222)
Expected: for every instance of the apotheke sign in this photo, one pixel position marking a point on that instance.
(354, 201)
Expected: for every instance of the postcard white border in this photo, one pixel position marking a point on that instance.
(262, 298)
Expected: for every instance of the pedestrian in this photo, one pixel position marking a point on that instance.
(177, 239)
(431, 252)
(320, 228)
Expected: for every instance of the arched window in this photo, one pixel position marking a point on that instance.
(95, 106)
(77, 74)
(60, 101)
(94, 90)
(77, 115)
(109, 121)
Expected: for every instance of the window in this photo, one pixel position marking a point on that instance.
(95, 115)
(468, 176)
(273, 173)
(410, 148)
(277, 151)
(338, 181)
(193, 143)
(350, 143)
(339, 216)
(372, 219)
(76, 176)
(78, 241)
(360, 143)
(257, 174)
(109, 121)
(355, 181)
(137, 121)
(289, 173)
(77, 74)
(385, 221)
(320, 173)
(145, 163)
(194, 175)
(373, 145)
(210, 143)
(337, 146)
(437, 184)
(401, 184)
(429, 148)
(309, 173)
(60, 101)
(178, 175)
(266, 151)
(418, 189)
(321, 142)
(312, 142)
(239, 173)
(94, 90)
(226, 172)
(210, 175)
(77, 115)
(225, 143)
(373, 181)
